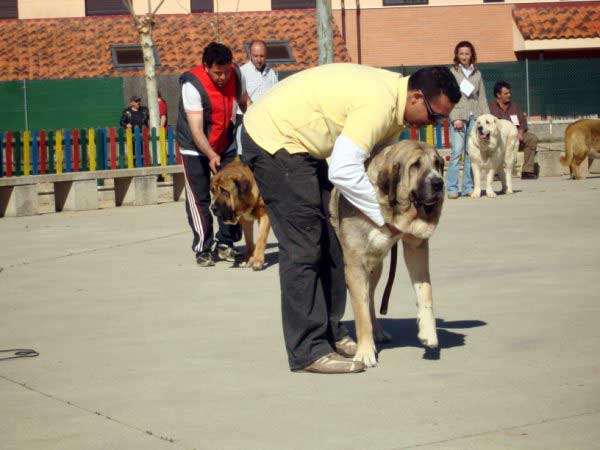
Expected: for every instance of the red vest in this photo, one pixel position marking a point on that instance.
(219, 109)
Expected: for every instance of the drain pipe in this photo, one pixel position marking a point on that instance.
(358, 43)
(527, 85)
(343, 8)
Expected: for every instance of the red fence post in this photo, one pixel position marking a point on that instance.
(446, 134)
(414, 133)
(75, 150)
(146, 146)
(178, 155)
(43, 152)
(113, 148)
(9, 159)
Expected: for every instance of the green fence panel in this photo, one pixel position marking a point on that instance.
(75, 103)
(12, 106)
(565, 87)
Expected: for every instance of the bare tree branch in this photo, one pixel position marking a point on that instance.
(129, 7)
(159, 5)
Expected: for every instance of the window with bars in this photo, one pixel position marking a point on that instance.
(105, 7)
(202, 6)
(9, 9)
(404, 2)
(130, 56)
(293, 4)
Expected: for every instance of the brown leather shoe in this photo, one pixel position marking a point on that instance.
(334, 363)
(346, 347)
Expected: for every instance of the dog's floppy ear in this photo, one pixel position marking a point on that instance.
(440, 163)
(388, 181)
(243, 186)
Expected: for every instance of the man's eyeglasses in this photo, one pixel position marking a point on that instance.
(433, 116)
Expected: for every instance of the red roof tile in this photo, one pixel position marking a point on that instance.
(80, 47)
(565, 20)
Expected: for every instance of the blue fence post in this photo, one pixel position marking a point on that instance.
(405, 135)
(170, 145)
(68, 150)
(137, 144)
(1, 154)
(35, 153)
(438, 136)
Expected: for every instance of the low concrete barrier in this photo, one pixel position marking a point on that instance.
(78, 191)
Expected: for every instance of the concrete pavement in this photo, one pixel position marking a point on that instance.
(141, 349)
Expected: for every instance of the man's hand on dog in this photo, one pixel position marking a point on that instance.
(214, 162)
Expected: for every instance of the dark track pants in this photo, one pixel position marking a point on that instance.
(311, 268)
(197, 203)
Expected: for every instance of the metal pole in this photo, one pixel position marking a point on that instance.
(25, 104)
(527, 86)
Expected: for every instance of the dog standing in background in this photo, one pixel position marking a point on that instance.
(493, 146)
(582, 140)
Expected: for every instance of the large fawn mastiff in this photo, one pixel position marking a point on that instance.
(408, 180)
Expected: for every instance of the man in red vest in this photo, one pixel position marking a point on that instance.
(210, 94)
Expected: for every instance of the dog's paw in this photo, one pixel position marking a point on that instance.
(508, 191)
(257, 263)
(428, 338)
(368, 357)
(475, 194)
(490, 193)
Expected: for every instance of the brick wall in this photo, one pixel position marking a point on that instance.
(424, 36)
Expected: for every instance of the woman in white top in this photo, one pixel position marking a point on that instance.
(472, 104)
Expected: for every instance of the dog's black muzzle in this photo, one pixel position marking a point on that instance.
(430, 193)
(223, 212)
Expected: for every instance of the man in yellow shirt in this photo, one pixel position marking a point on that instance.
(341, 111)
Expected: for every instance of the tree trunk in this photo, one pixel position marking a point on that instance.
(325, 31)
(144, 26)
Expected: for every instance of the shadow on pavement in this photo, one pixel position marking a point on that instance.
(404, 334)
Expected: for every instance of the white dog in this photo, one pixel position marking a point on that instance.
(493, 146)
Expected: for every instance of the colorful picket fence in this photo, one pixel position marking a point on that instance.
(62, 151)
(437, 135)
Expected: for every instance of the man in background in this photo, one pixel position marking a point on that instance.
(258, 76)
(504, 108)
(135, 115)
(162, 110)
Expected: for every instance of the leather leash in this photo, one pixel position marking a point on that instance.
(390, 281)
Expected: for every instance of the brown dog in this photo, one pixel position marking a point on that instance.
(235, 198)
(408, 179)
(582, 140)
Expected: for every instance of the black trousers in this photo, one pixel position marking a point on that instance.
(311, 267)
(197, 203)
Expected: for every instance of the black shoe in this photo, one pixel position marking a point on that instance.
(528, 176)
(226, 252)
(205, 259)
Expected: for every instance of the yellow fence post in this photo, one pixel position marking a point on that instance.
(59, 151)
(129, 147)
(26, 153)
(163, 146)
(92, 149)
(430, 134)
